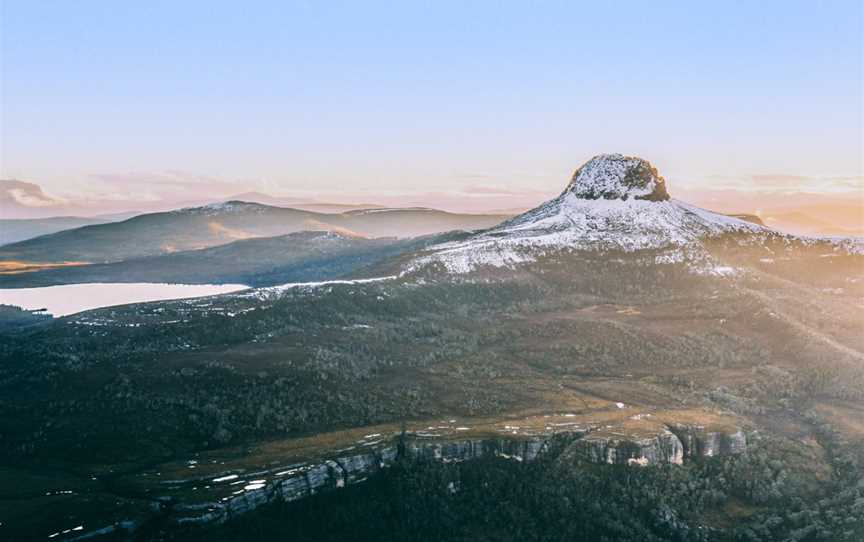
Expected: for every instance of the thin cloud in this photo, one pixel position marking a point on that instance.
(779, 178)
(785, 183)
(166, 186)
(474, 176)
(175, 179)
(497, 190)
(848, 178)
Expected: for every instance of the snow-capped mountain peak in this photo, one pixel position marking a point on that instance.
(615, 176)
(613, 202)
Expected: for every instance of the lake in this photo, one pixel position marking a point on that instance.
(71, 298)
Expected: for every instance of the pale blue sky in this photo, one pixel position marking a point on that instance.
(374, 97)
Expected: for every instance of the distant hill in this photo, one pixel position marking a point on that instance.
(263, 261)
(339, 207)
(300, 203)
(20, 229)
(13, 230)
(818, 219)
(217, 224)
(748, 218)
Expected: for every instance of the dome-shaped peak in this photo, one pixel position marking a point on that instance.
(615, 176)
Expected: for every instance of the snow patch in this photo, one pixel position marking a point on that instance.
(264, 293)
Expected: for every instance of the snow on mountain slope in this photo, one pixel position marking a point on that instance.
(848, 245)
(614, 202)
(269, 292)
(224, 207)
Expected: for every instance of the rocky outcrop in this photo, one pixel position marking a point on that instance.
(615, 450)
(599, 447)
(615, 176)
(701, 442)
(526, 449)
(674, 445)
(335, 473)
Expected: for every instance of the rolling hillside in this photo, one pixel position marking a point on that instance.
(202, 227)
(259, 261)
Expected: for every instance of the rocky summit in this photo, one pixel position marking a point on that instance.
(615, 176)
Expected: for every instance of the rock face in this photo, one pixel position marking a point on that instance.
(671, 447)
(615, 176)
(305, 480)
(674, 446)
(517, 449)
(662, 448)
(700, 442)
(290, 483)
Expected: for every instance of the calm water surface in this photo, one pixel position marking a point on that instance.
(72, 298)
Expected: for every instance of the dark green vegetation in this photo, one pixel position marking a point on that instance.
(774, 492)
(202, 227)
(16, 317)
(265, 261)
(115, 390)
(165, 378)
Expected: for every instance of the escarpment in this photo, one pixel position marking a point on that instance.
(599, 446)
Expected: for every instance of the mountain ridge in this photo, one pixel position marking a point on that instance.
(219, 223)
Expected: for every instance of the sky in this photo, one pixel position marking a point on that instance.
(467, 103)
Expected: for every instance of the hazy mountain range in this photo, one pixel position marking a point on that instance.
(806, 214)
(202, 227)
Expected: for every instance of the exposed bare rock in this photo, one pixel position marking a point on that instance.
(615, 176)
(603, 448)
(701, 442)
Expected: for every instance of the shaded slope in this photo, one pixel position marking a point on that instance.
(14, 230)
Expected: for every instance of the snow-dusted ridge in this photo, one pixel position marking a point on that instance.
(223, 207)
(271, 291)
(850, 245)
(391, 210)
